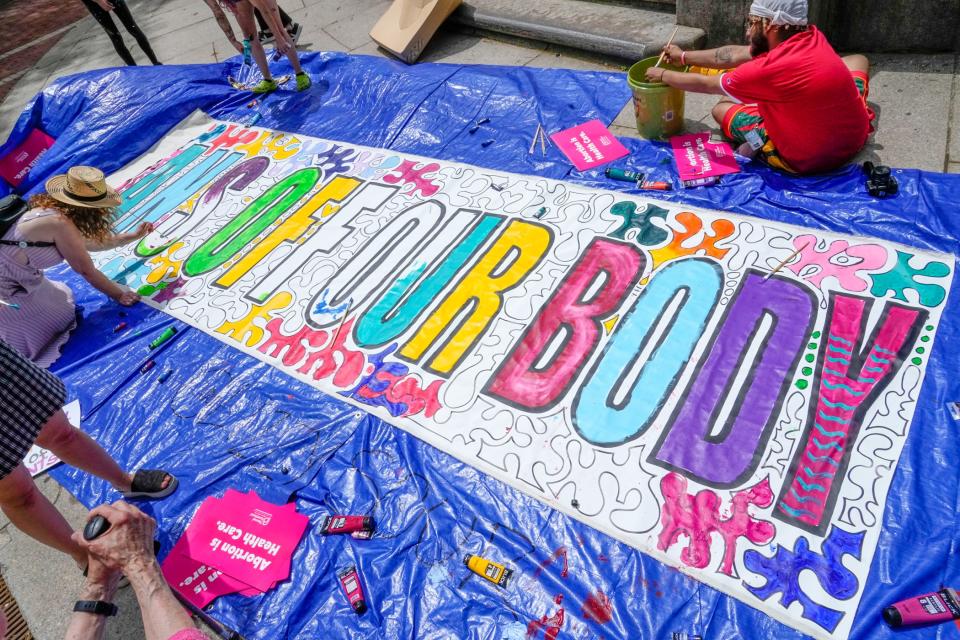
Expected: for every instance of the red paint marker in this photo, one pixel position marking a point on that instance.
(350, 581)
(346, 524)
(120, 327)
(939, 606)
(147, 366)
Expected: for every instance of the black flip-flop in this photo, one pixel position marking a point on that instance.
(148, 484)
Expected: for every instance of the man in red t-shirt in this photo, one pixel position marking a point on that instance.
(788, 96)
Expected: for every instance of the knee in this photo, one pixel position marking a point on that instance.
(719, 111)
(857, 62)
(20, 496)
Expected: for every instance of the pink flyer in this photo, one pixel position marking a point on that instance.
(198, 583)
(589, 145)
(246, 538)
(698, 157)
(16, 165)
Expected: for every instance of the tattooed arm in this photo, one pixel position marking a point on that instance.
(723, 58)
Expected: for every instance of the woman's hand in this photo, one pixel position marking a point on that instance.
(145, 229)
(127, 297)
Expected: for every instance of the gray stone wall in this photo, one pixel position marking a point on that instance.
(851, 25)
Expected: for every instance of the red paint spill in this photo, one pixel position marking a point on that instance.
(551, 626)
(603, 558)
(598, 607)
(559, 553)
(659, 594)
(558, 598)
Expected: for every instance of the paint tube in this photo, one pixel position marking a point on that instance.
(623, 174)
(247, 54)
(350, 582)
(168, 333)
(492, 571)
(939, 606)
(701, 182)
(346, 524)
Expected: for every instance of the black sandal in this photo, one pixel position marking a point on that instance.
(148, 484)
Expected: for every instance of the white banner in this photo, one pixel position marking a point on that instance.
(635, 364)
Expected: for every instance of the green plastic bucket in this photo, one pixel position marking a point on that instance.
(658, 107)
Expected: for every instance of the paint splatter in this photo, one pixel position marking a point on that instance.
(598, 607)
(558, 553)
(551, 626)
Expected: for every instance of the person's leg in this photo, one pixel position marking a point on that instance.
(721, 109)
(31, 512)
(79, 450)
(248, 26)
(123, 13)
(272, 14)
(285, 19)
(857, 62)
(103, 17)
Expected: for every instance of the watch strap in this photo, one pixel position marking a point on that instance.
(96, 607)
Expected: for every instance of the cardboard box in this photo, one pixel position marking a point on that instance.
(407, 26)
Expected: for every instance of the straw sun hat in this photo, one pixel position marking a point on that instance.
(83, 187)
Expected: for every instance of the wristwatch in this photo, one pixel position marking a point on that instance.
(96, 607)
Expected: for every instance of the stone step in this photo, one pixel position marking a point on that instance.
(624, 32)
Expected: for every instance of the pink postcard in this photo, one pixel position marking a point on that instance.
(247, 538)
(16, 165)
(589, 145)
(198, 583)
(697, 157)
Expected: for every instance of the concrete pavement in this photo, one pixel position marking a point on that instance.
(914, 95)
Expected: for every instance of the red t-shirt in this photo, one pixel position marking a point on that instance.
(810, 105)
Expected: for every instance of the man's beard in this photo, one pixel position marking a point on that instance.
(758, 43)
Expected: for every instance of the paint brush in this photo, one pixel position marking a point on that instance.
(533, 143)
(543, 141)
(342, 320)
(12, 305)
(669, 42)
(785, 261)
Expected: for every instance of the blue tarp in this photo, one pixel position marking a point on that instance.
(224, 419)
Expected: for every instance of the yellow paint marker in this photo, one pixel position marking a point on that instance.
(492, 571)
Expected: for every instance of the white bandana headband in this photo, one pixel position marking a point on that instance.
(785, 12)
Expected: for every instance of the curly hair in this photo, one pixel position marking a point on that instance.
(93, 223)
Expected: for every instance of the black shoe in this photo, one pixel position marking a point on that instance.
(295, 30)
(266, 37)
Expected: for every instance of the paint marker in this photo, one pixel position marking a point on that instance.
(147, 366)
(474, 129)
(254, 120)
(346, 524)
(12, 305)
(168, 333)
(350, 582)
(939, 606)
(483, 121)
(541, 212)
(164, 376)
(247, 53)
(623, 175)
(492, 571)
(486, 144)
(120, 327)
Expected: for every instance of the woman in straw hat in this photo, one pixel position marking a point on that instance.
(71, 219)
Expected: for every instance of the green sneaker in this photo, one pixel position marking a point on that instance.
(265, 86)
(303, 81)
